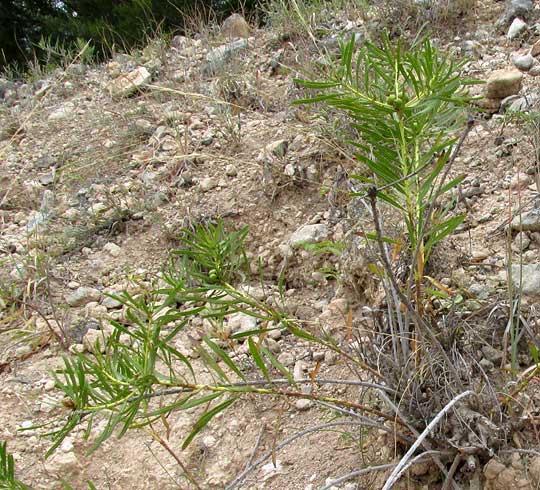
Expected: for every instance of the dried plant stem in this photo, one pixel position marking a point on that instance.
(256, 447)
(425, 443)
(401, 466)
(451, 472)
(354, 474)
(168, 448)
(349, 476)
(242, 476)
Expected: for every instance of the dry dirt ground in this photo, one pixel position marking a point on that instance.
(95, 189)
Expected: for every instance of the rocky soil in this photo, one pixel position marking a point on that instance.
(102, 166)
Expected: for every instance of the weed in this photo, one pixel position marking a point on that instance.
(404, 103)
(442, 16)
(307, 18)
(530, 117)
(7, 471)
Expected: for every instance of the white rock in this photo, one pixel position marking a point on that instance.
(112, 249)
(62, 464)
(303, 404)
(218, 57)
(502, 83)
(270, 470)
(235, 26)
(523, 62)
(208, 183)
(209, 442)
(111, 303)
(231, 171)
(95, 340)
(127, 84)
(82, 296)
(309, 234)
(516, 28)
(240, 322)
(49, 385)
(63, 112)
(67, 445)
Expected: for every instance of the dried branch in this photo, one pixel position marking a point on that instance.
(401, 466)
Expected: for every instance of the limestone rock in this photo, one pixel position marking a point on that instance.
(527, 222)
(111, 303)
(530, 278)
(517, 27)
(516, 8)
(220, 56)
(82, 296)
(62, 464)
(521, 103)
(127, 84)
(208, 183)
(503, 83)
(240, 322)
(523, 62)
(179, 42)
(234, 27)
(112, 249)
(309, 234)
(63, 112)
(95, 340)
(302, 404)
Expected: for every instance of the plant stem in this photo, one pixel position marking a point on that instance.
(168, 448)
(420, 323)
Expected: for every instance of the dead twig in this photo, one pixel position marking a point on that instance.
(402, 465)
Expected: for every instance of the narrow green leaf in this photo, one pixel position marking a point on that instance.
(206, 417)
(195, 402)
(224, 357)
(280, 367)
(210, 362)
(253, 349)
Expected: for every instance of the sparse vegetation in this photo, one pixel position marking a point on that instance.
(252, 338)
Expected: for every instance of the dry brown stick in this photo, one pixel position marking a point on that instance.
(168, 448)
(449, 478)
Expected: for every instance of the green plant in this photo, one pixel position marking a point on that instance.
(142, 377)
(7, 471)
(405, 104)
